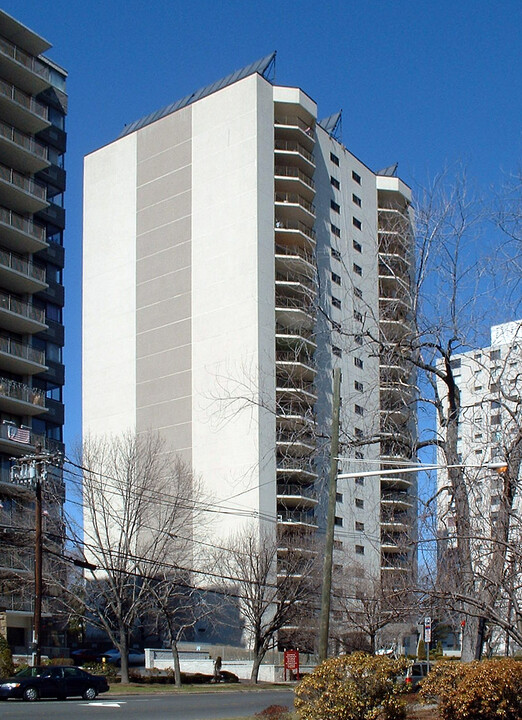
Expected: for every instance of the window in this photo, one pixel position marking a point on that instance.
(359, 339)
(357, 223)
(358, 455)
(357, 246)
(358, 362)
(357, 269)
(359, 481)
(356, 177)
(338, 497)
(359, 503)
(338, 521)
(358, 410)
(335, 230)
(334, 159)
(53, 273)
(336, 302)
(53, 312)
(338, 545)
(495, 419)
(335, 182)
(359, 526)
(337, 350)
(494, 355)
(336, 278)
(53, 352)
(359, 549)
(336, 326)
(335, 206)
(357, 315)
(455, 364)
(358, 432)
(495, 500)
(335, 254)
(495, 404)
(357, 200)
(358, 386)
(357, 292)
(56, 118)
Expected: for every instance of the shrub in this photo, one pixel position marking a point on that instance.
(421, 650)
(96, 668)
(352, 687)
(274, 712)
(486, 690)
(59, 661)
(6, 658)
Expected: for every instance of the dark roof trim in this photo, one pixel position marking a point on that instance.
(264, 66)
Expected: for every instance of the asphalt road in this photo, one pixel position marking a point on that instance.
(200, 706)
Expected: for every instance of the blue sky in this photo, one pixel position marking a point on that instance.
(426, 83)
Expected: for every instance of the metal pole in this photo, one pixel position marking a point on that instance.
(37, 570)
(324, 625)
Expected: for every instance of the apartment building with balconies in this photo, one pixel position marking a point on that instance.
(241, 245)
(33, 105)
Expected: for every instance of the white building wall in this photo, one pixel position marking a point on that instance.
(109, 289)
(232, 295)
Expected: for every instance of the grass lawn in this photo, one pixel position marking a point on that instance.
(151, 689)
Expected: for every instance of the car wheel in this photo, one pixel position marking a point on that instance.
(90, 693)
(30, 694)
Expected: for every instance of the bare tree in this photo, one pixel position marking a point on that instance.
(137, 499)
(268, 594)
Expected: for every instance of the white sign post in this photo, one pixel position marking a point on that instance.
(427, 640)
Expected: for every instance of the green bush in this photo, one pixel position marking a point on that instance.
(352, 687)
(110, 671)
(486, 690)
(6, 658)
(59, 661)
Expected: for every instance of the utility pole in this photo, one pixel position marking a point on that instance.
(324, 623)
(30, 471)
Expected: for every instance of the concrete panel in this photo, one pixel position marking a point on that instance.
(176, 282)
(171, 387)
(163, 212)
(167, 336)
(159, 364)
(155, 264)
(166, 133)
(164, 187)
(163, 313)
(175, 233)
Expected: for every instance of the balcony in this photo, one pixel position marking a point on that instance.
(296, 365)
(19, 398)
(298, 518)
(393, 499)
(22, 69)
(21, 233)
(294, 314)
(294, 207)
(293, 180)
(294, 467)
(292, 127)
(22, 151)
(20, 358)
(294, 232)
(394, 543)
(295, 285)
(19, 274)
(295, 412)
(287, 338)
(395, 522)
(290, 151)
(293, 495)
(16, 562)
(296, 444)
(292, 387)
(21, 192)
(20, 316)
(297, 261)
(396, 414)
(396, 482)
(22, 109)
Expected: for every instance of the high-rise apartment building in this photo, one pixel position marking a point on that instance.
(33, 105)
(235, 253)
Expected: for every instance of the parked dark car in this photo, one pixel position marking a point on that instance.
(135, 657)
(84, 655)
(53, 681)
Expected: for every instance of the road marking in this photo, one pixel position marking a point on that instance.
(104, 704)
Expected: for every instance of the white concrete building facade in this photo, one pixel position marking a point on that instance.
(235, 252)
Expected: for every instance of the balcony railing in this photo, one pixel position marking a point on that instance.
(296, 464)
(19, 307)
(20, 391)
(298, 334)
(292, 357)
(295, 303)
(295, 121)
(296, 516)
(25, 183)
(22, 140)
(33, 270)
(293, 172)
(295, 251)
(292, 146)
(293, 278)
(396, 497)
(23, 99)
(29, 61)
(295, 199)
(19, 222)
(295, 225)
(21, 350)
(290, 409)
(297, 490)
(16, 561)
(287, 383)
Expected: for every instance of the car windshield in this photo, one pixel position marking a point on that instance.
(30, 672)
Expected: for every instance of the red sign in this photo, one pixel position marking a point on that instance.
(292, 662)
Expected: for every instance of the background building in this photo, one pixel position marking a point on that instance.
(33, 105)
(235, 252)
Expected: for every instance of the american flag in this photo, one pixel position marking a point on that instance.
(21, 435)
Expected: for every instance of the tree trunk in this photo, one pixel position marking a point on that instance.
(259, 654)
(124, 657)
(177, 669)
(372, 642)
